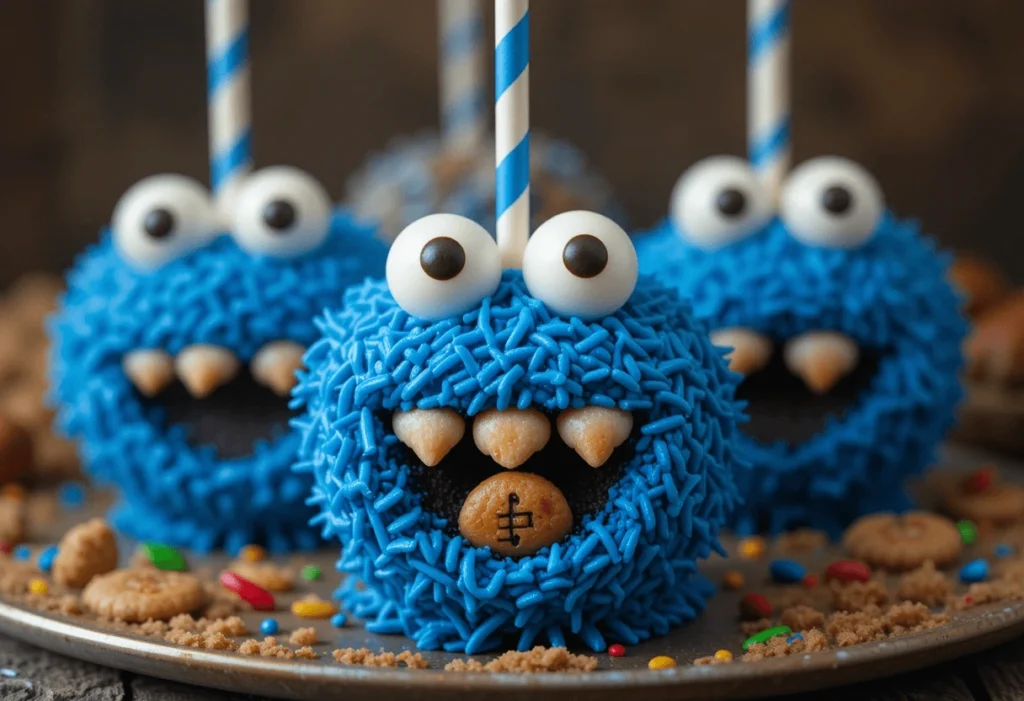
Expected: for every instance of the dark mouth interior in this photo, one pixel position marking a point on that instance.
(445, 486)
(231, 419)
(782, 408)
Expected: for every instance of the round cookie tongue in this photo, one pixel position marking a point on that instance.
(515, 514)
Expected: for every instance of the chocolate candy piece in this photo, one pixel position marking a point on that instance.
(515, 514)
(15, 450)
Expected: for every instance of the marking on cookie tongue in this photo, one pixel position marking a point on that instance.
(526, 521)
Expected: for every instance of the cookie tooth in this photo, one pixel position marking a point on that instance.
(751, 351)
(821, 358)
(203, 368)
(430, 433)
(149, 370)
(275, 365)
(511, 436)
(594, 431)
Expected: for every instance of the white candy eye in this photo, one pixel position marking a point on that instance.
(831, 202)
(280, 211)
(580, 264)
(717, 201)
(161, 218)
(442, 265)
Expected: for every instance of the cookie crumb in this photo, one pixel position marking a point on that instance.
(207, 640)
(303, 636)
(858, 596)
(15, 576)
(305, 653)
(87, 550)
(925, 585)
(813, 640)
(538, 660)
(363, 656)
(801, 618)
(909, 617)
(270, 648)
(250, 647)
(801, 540)
(854, 627)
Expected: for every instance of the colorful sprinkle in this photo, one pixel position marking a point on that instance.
(732, 580)
(616, 650)
(974, 571)
(6, 547)
(339, 620)
(753, 548)
(164, 557)
(1003, 550)
(661, 662)
(252, 553)
(723, 655)
(980, 480)
(256, 596)
(38, 586)
(269, 626)
(45, 561)
(313, 609)
(793, 638)
(765, 636)
(71, 495)
(810, 581)
(310, 573)
(848, 571)
(22, 552)
(968, 531)
(755, 606)
(786, 571)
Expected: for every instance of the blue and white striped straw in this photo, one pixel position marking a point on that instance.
(512, 127)
(228, 92)
(462, 51)
(768, 94)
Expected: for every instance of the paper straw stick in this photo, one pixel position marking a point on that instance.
(512, 127)
(768, 95)
(462, 52)
(228, 92)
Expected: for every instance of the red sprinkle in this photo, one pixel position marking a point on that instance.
(980, 481)
(754, 606)
(810, 581)
(848, 571)
(968, 599)
(257, 597)
(5, 547)
(616, 650)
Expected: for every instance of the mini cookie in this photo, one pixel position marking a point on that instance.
(136, 595)
(87, 550)
(999, 503)
(901, 542)
(264, 574)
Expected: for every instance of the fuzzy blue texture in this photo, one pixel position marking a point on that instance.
(890, 294)
(401, 184)
(172, 492)
(629, 571)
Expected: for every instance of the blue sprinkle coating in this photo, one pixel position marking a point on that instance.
(46, 557)
(786, 571)
(22, 552)
(269, 626)
(974, 571)
(405, 183)
(628, 571)
(890, 294)
(171, 491)
(339, 620)
(1003, 551)
(71, 495)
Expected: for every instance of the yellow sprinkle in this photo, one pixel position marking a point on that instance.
(723, 655)
(661, 662)
(252, 553)
(732, 580)
(38, 586)
(753, 548)
(313, 609)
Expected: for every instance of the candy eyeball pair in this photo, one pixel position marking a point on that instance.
(829, 202)
(577, 263)
(279, 211)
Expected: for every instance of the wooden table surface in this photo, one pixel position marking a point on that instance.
(996, 675)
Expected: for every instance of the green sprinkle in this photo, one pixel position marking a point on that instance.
(968, 531)
(310, 572)
(765, 636)
(164, 557)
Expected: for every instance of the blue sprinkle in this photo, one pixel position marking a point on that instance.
(793, 638)
(339, 620)
(22, 552)
(46, 557)
(8, 673)
(71, 495)
(269, 626)
(974, 571)
(1003, 551)
(787, 571)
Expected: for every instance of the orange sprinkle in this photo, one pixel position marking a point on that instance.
(252, 553)
(732, 580)
(313, 609)
(753, 548)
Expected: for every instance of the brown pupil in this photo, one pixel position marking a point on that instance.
(442, 258)
(585, 256)
(159, 223)
(279, 215)
(731, 202)
(837, 200)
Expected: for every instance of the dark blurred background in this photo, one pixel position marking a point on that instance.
(929, 94)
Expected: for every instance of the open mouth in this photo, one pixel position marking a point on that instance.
(517, 481)
(218, 402)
